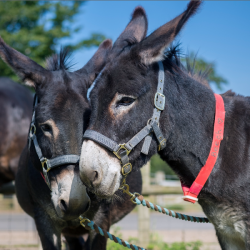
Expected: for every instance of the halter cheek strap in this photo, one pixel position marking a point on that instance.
(122, 151)
(48, 164)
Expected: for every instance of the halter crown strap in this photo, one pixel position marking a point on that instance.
(123, 150)
(48, 164)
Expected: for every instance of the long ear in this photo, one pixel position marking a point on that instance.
(152, 48)
(97, 62)
(135, 31)
(29, 71)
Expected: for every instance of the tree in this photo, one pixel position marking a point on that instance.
(201, 65)
(35, 28)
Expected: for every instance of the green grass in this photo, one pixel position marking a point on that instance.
(155, 243)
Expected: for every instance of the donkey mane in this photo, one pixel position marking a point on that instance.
(173, 56)
(60, 61)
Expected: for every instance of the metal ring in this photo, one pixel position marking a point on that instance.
(149, 120)
(44, 162)
(32, 130)
(133, 197)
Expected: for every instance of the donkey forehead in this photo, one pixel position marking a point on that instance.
(62, 103)
(121, 77)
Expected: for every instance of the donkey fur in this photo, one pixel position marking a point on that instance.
(187, 123)
(62, 115)
(16, 108)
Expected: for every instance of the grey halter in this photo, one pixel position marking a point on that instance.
(123, 150)
(48, 164)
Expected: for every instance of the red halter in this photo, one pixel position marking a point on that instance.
(191, 194)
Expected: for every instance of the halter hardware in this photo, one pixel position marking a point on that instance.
(32, 129)
(126, 169)
(82, 220)
(125, 189)
(162, 144)
(121, 146)
(159, 101)
(44, 163)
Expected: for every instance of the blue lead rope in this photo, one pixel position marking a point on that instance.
(91, 225)
(141, 201)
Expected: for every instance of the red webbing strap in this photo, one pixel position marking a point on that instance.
(43, 176)
(191, 194)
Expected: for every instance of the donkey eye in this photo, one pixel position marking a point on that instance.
(125, 101)
(46, 128)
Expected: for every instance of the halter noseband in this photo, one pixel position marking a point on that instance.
(48, 164)
(122, 151)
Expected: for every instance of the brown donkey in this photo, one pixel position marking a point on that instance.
(61, 115)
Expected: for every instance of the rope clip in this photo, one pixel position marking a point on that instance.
(125, 189)
(82, 220)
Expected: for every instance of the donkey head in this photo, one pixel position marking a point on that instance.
(123, 99)
(62, 115)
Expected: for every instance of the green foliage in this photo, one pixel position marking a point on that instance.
(35, 28)
(160, 245)
(156, 243)
(213, 78)
(175, 207)
(157, 164)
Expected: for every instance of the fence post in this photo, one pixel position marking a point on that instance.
(143, 212)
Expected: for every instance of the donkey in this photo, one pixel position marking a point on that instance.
(61, 114)
(124, 102)
(16, 108)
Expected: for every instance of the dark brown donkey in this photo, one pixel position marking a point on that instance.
(124, 102)
(15, 116)
(61, 116)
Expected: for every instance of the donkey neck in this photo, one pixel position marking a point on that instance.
(188, 125)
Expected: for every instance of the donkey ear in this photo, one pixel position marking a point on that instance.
(97, 62)
(29, 71)
(152, 48)
(135, 31)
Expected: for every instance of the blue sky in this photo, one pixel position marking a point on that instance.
(220, 32)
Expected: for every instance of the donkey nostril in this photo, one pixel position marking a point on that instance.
(95, 176)
(63, 205)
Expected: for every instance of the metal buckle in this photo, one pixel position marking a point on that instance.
(121, 146)
(159, 101)
(162, 143)
(126, 167)
(82, 220)
(44, 162)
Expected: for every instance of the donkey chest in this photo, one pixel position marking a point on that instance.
(228, 220)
